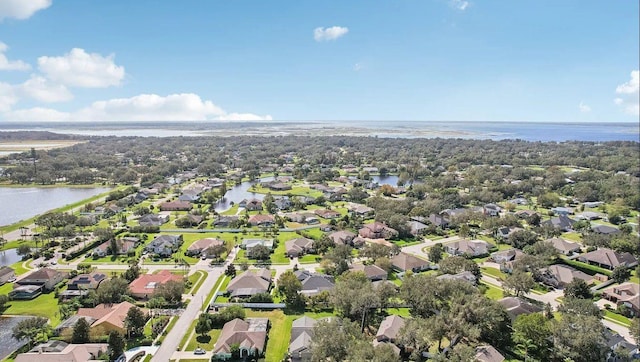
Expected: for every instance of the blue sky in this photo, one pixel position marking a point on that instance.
(438, 60)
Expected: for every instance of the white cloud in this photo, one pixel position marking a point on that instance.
(584, 108)
(7, 97)
(43, 90)
(243, 117)
(6, 64)
(459, 4)
(81, 69)
(21, 9)
(332, 33)
(36, 114)
(629, 93)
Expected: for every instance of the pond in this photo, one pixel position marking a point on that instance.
(238, 193)
(7, 343)
(9, 256)
(389, 179)
(26, 202)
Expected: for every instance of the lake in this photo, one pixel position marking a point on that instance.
(7, 343)
(389, 180)
(239, 193)
(9, 256)
(26, 202)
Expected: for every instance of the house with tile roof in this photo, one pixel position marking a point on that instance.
(59, 351)
(298, 246)
(559, 276)
(199, 246)
(627, 295)
(564, 247)
(249, 283)
(108, 317)
(144, 286)
(46, 278)
(608, 259)
(300, 341)
(404, 262)
(250, 336)
(314, 283)
(473, 248)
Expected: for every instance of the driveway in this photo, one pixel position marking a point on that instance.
(417, 249)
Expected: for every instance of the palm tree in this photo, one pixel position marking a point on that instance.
(526, 345)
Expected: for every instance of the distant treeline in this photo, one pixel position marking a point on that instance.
(36, 136)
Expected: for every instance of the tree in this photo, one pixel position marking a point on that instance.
(289, 286)
(522, 238)
(113, 290)
(533, 330)
(577, 288)
(435, 253)
(260, 252)
(80, 332)
(332, 340)
(171, 291)
(353, 295)
(578, 306)
(23, 250)
(116, 344)
(30, 329)
(204, 325)
(132, 273)
(323, 244)
(4, 299)
(457, 264)
(519, 282)
(418, 335)
(230, 271)
(620, 274)
(580, 338)
(134, 322)
(634, 329)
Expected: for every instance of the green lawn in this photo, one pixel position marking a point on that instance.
(19, 268)
(279, 334)
(494, 273)
(617, 318)
(308, 259)
(200, 276)
(45, 305)
(493, 292)
(185, 338)
(206, 343)
(222, 280)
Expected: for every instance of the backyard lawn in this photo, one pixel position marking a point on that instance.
(45, 305)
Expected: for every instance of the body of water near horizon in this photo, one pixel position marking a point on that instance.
(528, 131)
(23, 203)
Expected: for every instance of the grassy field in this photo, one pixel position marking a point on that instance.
(494, 273)
(206, 343)
(19, 268)
(493, 292)
(45, 305)
(279, 334)
(200, 276)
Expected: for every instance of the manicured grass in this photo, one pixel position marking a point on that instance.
(279, 334)
(232, 211)
(185, 338)
(19, 268)
(587, 268)
(172, 322)
(494, 273)
(197, 341)
(45, 305)
(617, 318)
(308, 259)
(209, 298)
(402, 312)
(197, 284)
(493, 292)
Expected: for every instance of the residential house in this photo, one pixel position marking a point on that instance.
(124, 245)
(523, 214)
(605, 229)
(593, 204)
(299, 246)
(225, 221)
(189, 196)
(249, 336)
(361, 210)
(314, 283)
(488, 353)
(373, 272)
(70, 322)
(504, 232)
(342, 237)
(616, 342)
(300, 342)
(465, 276)
(562, 222)
(144, 286)
(327, 214)
(151, 220)
(58, 351)
(564, 211)
(491, 210)
(176, 206)
(558, 275)
(505, 256)
(250, 283)
(251, 205)
(589, 215)
(82, 283)
(249, 244)
(6, 273)
(283, 203)
(46, 278)
(472, 248)
(164, 245)
(517, 306)
(377, 230)
(438, 221)
(261, 220)
(389, 332)
(107, 317)
(404, 262)
(608, 259)
(417, 228)
(199, 246)
(564, 247)
(627, 295)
